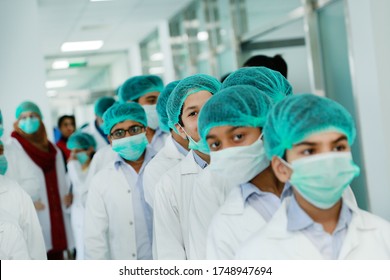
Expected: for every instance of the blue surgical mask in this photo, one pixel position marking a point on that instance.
(82, 157)
(151, 116)
(29, 125)
(321, 179)
(1, 130)
(3, 164)
(200, 146)
(130, 148)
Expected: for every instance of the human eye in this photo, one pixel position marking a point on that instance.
(135, 129)
(340, 147)
(214, 145)
(238, 137)
(308, 152)
(120, 133)
(192, 114)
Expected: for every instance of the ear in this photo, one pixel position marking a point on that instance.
(181, 131)
(282, 172)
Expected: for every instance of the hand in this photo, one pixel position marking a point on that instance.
(68, 199)
(39, 206)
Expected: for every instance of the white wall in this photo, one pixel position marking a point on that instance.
(22, 75)
(369, 45)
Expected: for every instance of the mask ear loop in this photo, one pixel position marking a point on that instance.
(286, 163)
(185, 132)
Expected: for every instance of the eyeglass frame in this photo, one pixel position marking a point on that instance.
(127, 131)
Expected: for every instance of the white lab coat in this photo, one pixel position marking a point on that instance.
(210, 192)
(235, 222)
(101, 141)
(12, 243)
(18, 206)
(17, 163)
(63, 185)
(171, 208)
(165, 159)
(368, 237)
(109, 231)
(77, 177)
(158, 139)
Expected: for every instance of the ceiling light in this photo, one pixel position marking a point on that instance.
(51, 93)
(156, 70)
(81, 46)
(203, 36)
(157, 56)
(56, 83)
(60, 64)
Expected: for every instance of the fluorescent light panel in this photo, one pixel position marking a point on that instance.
(157, 56)
(56, 84)
(81, 46)
(60, 64)
(203, 36)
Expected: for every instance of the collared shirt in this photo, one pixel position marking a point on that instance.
(180, 148)
(158, 139)
(199, 160)
(265, 203)
(329, 245)
(143, 214)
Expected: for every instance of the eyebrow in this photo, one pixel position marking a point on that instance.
(313, 144)
(151, 97)
(230, 130)
(191, 108)
(340, 138)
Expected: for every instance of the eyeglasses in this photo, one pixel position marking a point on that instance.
(132, 130)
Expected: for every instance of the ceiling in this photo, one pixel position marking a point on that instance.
(119, 23)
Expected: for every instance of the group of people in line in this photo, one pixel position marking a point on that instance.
(196, 169)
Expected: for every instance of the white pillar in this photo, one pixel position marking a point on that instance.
(164, 38)
(369, 42)
(22, 74)
(135, 63)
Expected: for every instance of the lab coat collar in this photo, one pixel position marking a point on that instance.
(170, 150)
(189, 165)
(149, 154)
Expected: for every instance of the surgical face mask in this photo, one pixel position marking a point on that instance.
(200, 146)
(152, 116)
(321, 179)
(29, 125)
(1, 130)
(3, 164)
(131, 148)
(82, 157)
(240, 164)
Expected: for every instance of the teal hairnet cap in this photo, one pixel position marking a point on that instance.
(161, 106)
(80, 140)
(102, 104)
(27, 106)
(1, 118)
(271, 82)
(122, 112)
(234, 106)
(186, 87)
(138, 86)
(299, 116)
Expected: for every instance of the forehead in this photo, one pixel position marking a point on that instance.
(151, 94)
(125, 125)
(197, 99)
(323, 137)
(220, 131)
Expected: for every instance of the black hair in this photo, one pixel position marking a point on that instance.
(223, 78)
(276, 63)
(63, 118)
(180, 116)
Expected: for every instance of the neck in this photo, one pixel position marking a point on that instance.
(266, 181)
(137, 164)
(149, 134)
(182, 142)
(328, 218)
(203, 156)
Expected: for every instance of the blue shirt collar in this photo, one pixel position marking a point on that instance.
(248, 189)
(199, 160)
(179, 147)
(149, 154)
(298, 219)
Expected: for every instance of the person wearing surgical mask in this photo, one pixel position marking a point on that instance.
(145, 90)
(118, 221)
(174, 190)
(308, 140)
(211, 190)
(233, 132)
(82, 147)
(47, 162)
(175, 148)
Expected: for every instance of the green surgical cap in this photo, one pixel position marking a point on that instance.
(1, 118)
(234, 106)
(102, 104)
(80, 140)
(162, 105)
(122, 112)
(299, 116)
(186, 87)
(138, 86)
(268, 81)
(27, 106)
